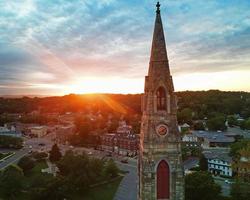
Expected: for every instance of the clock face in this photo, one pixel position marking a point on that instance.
(162, 129)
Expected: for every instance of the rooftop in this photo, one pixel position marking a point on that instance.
(213, 136)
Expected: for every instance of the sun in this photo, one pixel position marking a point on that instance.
(104, 85)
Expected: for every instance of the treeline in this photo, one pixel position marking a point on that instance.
(205, 103)
(201, 103)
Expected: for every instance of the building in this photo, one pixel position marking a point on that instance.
(5, 131)
(123, 128)
(190, 140)
(209, 139)
(184, 128)
(120, 144)
(160, 168)
(63, 132)
(108, 142)
(219, 163)
(38, 131)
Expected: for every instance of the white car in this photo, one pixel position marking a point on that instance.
(228, 182)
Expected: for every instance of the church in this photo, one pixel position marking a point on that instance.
(160, 169)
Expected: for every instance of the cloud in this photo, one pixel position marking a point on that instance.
(50, 43)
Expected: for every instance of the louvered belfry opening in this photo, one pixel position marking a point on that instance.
(163, 182)
(161, 98)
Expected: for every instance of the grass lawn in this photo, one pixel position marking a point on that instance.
(35, 175)
(3, 155)
(106, 191)
(38, 167)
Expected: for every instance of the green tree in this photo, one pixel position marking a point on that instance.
(237, 146)
(247, 124)
(185, 115)
(39, 156)
(55, 154)
(232, 121)
(77, 171)
(240, 190)
(26, 163)
(11, 142)
(111, 170)
(201, 186)
(216, 123)
(199, 126)
(203, 163)
(11, 182)
(55, 189)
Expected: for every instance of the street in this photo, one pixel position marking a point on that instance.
(225, 187)
(128, 187)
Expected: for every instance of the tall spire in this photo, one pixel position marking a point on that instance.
(158, 49)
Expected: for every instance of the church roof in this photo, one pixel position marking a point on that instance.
(158, 49)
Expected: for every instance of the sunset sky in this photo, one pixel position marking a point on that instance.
(57, 47)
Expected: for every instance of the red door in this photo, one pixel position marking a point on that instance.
(163, 180)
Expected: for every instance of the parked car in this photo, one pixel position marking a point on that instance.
(228, 182)
(124, 160)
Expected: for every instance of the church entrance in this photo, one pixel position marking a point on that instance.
(163, 181)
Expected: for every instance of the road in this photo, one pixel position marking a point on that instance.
(33, 142)
(225, 187)
(128, 187)
(14, 159)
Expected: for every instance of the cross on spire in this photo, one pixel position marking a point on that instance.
(158, 5)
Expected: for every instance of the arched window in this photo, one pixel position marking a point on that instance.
(161, 99)
(163, 180)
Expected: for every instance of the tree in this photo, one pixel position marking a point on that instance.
(11, 181)
(11, 142)
(199, 126)
(201, 186)
(203, 163)
(185, 115)
(232, 121)
(39, 156)
(111, 170)
(240, 190)
(237, 146)
(55, 154)
(217, 123)
(55, 189)
(26, 163)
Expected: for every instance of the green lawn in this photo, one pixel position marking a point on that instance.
(35, 176)
(106, 191)
(3, 155)
(38, 167)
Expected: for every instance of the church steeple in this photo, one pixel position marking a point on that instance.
(160, 165)
(158, 49)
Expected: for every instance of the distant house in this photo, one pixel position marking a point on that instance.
(190, 140)
(213, 139)
(5, 131)
(219, 163)
(184, 128)
(62, 133)
(38, 131)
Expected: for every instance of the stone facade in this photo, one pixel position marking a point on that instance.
(160, 139)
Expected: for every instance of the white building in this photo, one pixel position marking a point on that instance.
(219, 163)
(189, 138)
(5, 131)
